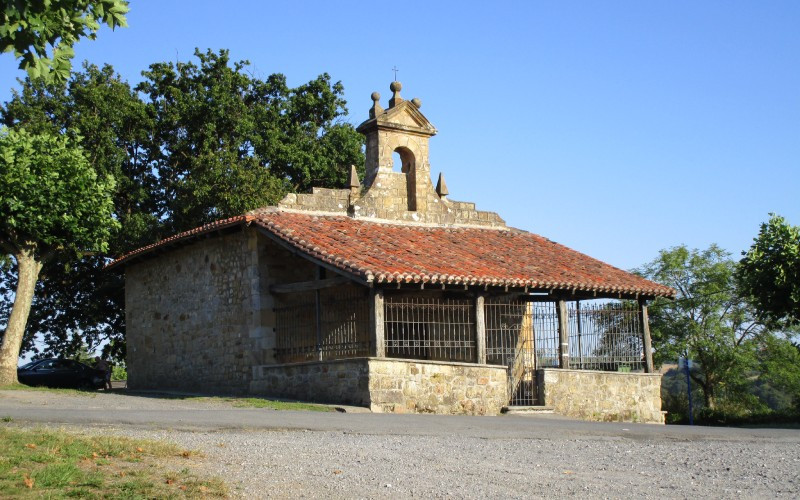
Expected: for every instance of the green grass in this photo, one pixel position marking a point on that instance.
(267, 403)
(23, 387)
(48, 464)
(234, 401)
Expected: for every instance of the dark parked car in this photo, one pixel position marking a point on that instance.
(60, 373)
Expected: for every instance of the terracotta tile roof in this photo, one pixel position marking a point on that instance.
(390, 253)
(208, 228)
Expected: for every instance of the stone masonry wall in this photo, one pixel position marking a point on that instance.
(343, 381)
(193, 317)
(602, 396)
(389, 385)
(409, 386)
(387, 200)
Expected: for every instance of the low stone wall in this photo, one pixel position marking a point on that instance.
(602, 396)
(389, 385)
(408, 386)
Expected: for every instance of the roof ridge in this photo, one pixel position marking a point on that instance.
(391, 222)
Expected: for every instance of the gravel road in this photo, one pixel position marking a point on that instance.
(293, 454)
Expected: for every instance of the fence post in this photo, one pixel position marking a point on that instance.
(376, 323)
(563, 334)
(480, 330)
(648, 348)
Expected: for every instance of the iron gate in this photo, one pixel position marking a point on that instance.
(522, 336)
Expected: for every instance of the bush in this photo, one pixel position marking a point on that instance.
(727, 418)
(119, 372)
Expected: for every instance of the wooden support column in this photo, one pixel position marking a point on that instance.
(376, 323)
(480, 330)
(563, 334)
(648, 347)
(320, 274)
(580, 333)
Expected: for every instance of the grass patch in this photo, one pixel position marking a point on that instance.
(48, 464)
(268, 403)
(23, 387)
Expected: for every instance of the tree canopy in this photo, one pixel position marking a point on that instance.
(193, 142)
(52, 202)
(28, 28)
(769, 273)
(741, 362)
(707, 322)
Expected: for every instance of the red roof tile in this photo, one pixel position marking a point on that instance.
(208, 228)
(390, 253)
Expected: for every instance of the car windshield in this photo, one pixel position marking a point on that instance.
(28, 365)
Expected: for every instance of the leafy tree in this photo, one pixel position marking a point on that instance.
(51, 202)
(708, 321)
(28, 27)
(225, 142)
(193, 143)
(76, 302)
(769, 273)
(779, 363)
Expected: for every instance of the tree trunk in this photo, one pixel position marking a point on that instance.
(27, 275)
(710, 396)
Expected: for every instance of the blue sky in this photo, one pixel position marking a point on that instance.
(616, 128)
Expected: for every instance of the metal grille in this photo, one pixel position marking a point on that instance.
(328, 324)
(429, 328)
(545, 324)
(510, 342)
(605, 336)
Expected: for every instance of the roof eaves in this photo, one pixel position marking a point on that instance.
(180, 237)
(299, 246)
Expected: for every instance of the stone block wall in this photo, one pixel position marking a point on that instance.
(343, 381)
(389, 385)
(409, 386)
(192, 316)
(388, 200)
(602, 396)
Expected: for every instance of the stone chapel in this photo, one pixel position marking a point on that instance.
(390, 295)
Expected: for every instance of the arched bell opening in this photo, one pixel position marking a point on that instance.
(408, 167)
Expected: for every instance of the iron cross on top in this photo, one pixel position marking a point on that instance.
(394, 68)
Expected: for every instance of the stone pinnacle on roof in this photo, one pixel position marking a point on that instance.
(354, 182)
(441, 187)
(395, 87)
(376, 108)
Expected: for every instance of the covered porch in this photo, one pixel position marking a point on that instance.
(461, 348)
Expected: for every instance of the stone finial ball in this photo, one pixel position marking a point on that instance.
(416, 102)
(395, 86)
(376, 96)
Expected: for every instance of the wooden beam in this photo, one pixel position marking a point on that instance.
(299, 253)
(648, 347)
(563, 335)
(307, 286)
(318, 312)
(480, 330)
(376, 323)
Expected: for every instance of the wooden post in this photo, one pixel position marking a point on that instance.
(480, 330)
(578, 322)
(648, 347)
(376, 323)
(563, 335)
(318, 313)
